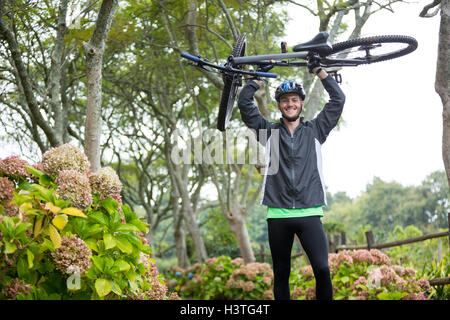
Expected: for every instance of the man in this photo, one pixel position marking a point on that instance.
(295, 193)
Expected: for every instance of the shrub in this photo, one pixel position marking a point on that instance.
(363, 275)
(223, 278)
(358, 274)
(61, 240)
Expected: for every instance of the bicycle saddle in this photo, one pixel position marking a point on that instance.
(318, 44)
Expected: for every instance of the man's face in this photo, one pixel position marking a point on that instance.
(290, 105)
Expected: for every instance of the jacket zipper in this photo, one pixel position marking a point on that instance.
(293, 173)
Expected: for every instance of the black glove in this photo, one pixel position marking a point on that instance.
(265, 68)
(313, 62)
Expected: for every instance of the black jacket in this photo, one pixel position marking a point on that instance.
(293, 177)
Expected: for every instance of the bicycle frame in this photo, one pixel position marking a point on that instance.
(277, 59)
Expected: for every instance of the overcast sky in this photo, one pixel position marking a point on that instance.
(393, 116)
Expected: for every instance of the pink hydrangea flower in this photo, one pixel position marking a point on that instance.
(15, 168)
(74, 186)
(65, 157)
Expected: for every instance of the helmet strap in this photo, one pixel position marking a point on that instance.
(290, 119)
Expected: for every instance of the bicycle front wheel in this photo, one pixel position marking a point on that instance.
(369, 50)
(231, 85)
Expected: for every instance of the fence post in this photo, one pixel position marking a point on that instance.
(370, 239)
(343, 238)
(262, 253)
(331, 244)
(336, 242)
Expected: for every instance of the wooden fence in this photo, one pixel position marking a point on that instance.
(338, 242)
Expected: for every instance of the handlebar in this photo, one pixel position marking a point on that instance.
(190, 57)
(266, 74)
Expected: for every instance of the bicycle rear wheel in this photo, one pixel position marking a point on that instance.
(369, 50)
(231, 84)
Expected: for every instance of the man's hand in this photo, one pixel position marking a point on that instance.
(314, 67)
(313, 64)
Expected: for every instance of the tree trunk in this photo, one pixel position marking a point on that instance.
(236, 221)
(190, 220)
(180, 241)
(442, 81)
(94, 50)
(56, 72)
(442, 73)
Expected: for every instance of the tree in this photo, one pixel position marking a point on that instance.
(436, 193)
(41, 102)
(94, 54)
(442, 72)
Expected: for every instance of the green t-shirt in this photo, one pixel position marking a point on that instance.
(293, 213)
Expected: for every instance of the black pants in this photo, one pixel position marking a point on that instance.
(312, 237)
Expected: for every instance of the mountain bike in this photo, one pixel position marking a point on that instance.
(349, 53)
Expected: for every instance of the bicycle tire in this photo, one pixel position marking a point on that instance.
(362, 43)
(231, 84)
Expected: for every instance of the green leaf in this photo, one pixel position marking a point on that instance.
(45, 180)
(22, 268)
(384, 296)
(128, 213)
(103, 287)
(34, 172)
(61, 203)
(92, 244)
(73, 212)
(99, 263)
(42, 193)
(54, 236)
(60, 221)
(54, 209)
(99, 217)
(116, 217)
(121, 265)
(46, 245)
(24, 185)
(10, 247)
(38, 222)
(109, 204)
(22, 227)
(116, 288)
(109, 241)
(127, 228)
(9, 225)
(93, 230)
(30, 258)
(141, 225)
(123, 244)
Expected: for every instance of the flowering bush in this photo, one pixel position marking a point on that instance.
(224, 279)
(60, 240)
(74, 186)
(65, 157)
(362, 275)
(106, 182)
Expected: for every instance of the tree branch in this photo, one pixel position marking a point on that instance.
(424, 13)
(25, 81)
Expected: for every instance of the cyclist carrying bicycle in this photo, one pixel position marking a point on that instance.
(295, 194)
